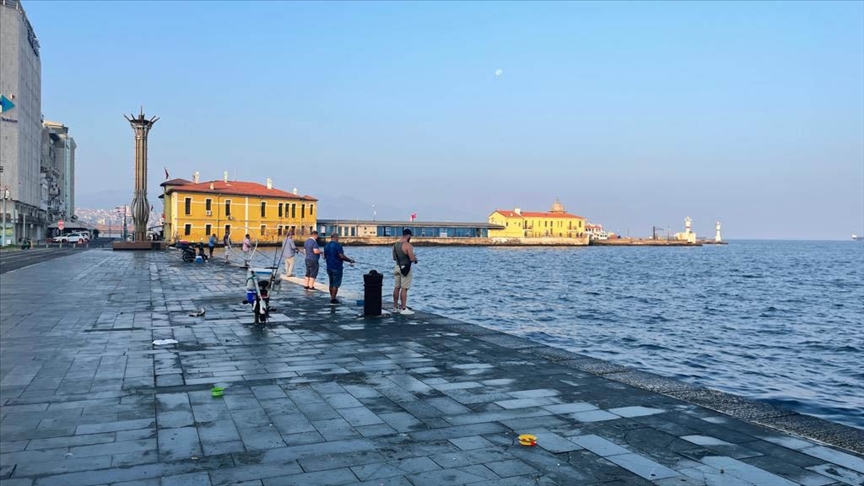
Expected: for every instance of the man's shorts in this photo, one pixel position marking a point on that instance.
(335, 278)
(312, 268)
(403, 281)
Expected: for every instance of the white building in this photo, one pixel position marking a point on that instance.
(58, 172)
(20, 126)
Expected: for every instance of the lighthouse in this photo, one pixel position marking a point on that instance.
(717, 237)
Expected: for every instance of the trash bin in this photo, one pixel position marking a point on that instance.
(372, 284)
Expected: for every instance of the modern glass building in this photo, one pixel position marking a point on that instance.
(393, 229)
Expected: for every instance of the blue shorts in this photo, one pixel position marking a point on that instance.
(335, 278)
(312, 268)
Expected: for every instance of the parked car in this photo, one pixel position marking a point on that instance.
(71, 238)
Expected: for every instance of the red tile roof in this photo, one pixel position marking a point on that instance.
(550, 215)
(529, 214)
(237, 188)
(175, 182)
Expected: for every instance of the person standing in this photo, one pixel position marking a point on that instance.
(334, 254)
(226, 242)
(403, 254)
(289, 250)
(247, 248)
(313, 255)
(211, 244)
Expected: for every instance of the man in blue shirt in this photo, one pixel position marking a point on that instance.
(335, 255)
(313, 253)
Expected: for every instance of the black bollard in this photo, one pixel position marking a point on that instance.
(372, 284)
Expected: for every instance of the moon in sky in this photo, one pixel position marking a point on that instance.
(499, 72)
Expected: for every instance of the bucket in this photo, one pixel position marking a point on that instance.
(250, 296)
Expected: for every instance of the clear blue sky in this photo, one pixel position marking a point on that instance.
(633, 114)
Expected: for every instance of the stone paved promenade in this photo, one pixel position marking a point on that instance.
(324, 397)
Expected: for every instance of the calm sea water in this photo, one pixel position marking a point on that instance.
(776, 321)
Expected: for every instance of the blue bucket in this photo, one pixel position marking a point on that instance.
(250, 296)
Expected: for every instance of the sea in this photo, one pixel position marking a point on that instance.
(777, 321)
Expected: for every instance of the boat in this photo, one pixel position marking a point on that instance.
(857, 238)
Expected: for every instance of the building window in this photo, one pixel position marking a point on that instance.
(294, 210)
(228, 208)
(263, 209)
(311, 209)
(280, 226)
(187, 229)
(227, 229)
(208, 204)
(280, 210)
(207, 229)
(302, 211)
(188, 206)
(353, 231)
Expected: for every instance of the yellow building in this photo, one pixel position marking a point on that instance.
(195, 210)
(556, 223)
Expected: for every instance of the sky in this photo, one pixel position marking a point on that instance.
(633, 114)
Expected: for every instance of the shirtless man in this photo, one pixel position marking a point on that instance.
(403, 254)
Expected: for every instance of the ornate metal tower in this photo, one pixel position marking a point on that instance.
(140, 206)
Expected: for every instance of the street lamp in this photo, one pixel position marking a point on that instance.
(125, 228)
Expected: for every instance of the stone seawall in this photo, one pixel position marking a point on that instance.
(642, 242)
(420, 241)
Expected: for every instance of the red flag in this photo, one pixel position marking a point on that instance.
(166, 173)
(413, 216)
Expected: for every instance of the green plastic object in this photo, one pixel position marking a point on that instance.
(217, 391)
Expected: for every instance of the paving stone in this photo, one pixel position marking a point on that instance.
(220, 448)
(248, 473)
(359, 416)
(510, 467)
(70, 441)
(323, 478)
(637, 411)
(375, 430)
(134, 458)
(110, 448)
(524, 403)
(564, 408)
(642, 466)
(593, 416)
(443, 477)
(176, 419)
(836, 457)
(401, 421)
(181, 443)
(841, 474)
(476, 418)
(260, 438)
(456, 432)
(447, 405)
(357, 458)
(784, 470)
(114, 426)
(290, 424)
(192, 479)
(335, 429)
(469, 443)
(746, 472)
(469, 457)
(214, 432)
(599, 445)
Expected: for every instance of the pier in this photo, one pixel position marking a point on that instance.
(323, 396)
